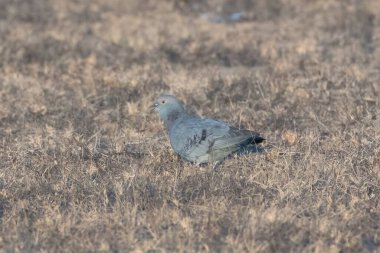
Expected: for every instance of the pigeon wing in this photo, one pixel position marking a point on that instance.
(202, 140)
(238, 137)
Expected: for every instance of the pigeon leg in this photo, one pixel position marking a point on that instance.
(216, 165)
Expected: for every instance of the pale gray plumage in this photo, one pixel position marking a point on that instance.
(201, 140)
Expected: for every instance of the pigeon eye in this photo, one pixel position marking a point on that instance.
(162, 101)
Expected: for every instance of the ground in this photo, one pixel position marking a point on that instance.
(86, 167)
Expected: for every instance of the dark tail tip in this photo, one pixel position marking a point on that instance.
(257, 139)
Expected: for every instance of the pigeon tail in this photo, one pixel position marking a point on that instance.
(256, 139)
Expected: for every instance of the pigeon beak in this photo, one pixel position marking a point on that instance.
(153, 107)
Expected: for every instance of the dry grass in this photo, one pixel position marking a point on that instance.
(85, 167)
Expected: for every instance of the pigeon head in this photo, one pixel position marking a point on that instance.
(168, 107)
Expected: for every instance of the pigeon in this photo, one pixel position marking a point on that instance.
(201, 140)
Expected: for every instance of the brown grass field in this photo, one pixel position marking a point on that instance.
(86, 167)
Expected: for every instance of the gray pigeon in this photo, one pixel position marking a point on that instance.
(201, 140)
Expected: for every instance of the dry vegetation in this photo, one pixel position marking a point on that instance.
(85, 166)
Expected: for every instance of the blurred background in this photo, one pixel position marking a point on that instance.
(85, 166)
